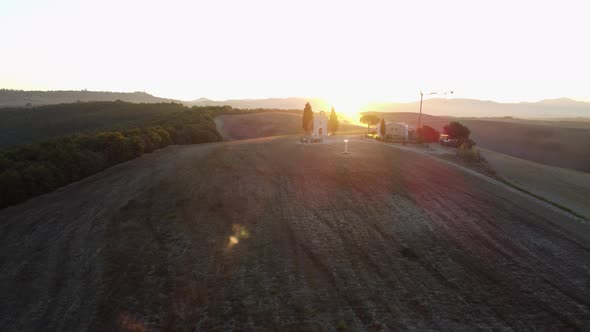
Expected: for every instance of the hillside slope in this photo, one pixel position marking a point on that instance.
(271, 234)
(551, 143)
(567, 188)
(25, 125)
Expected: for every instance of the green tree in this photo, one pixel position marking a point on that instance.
(383, 128)
(457, 130)
(12, 188)
(333, 122)
(4, 162)
(37, 178)
(307, 121)
(369, 120)
(36, 168)
(427, 134)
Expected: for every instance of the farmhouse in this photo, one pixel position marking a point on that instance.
(394, 130)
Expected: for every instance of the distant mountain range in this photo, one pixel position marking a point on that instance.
(551, 108)
(20, 98)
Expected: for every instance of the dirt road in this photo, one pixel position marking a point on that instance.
(270, 234)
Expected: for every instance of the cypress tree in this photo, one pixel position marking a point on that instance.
(333, 122)
(307, 120)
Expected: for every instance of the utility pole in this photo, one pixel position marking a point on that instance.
(420, 116)
(422, 94)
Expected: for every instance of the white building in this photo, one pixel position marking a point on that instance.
(320, 125)
(394, 130)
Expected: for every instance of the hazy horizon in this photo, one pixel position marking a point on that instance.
(457, 107)
(347, 53)
(202, 97)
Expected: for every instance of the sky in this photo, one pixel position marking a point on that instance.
(349, 52)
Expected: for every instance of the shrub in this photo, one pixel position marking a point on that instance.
(427, 134)
(12, 188)
(468, 153)
(456, 130)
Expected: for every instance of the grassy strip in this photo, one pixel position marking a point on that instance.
(557, 205)
(489, 172)
(494, 175)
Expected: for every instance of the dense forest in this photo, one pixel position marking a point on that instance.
(32, 169)
(26, 125)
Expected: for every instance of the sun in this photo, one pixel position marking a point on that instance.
(347, 108)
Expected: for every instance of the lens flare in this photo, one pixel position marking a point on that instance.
(239, 232)
(347, 108)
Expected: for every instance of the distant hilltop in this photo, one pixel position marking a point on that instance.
(551, 108)
(20, 98)
(270, 103)
(562, 108)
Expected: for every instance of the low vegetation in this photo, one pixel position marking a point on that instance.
(468, 153)
(36, 168)
(427, 134)
(27, 125)
(370, 120)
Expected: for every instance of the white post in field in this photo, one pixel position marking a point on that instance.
(346, 147)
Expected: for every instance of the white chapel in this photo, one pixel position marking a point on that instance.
(320, 125)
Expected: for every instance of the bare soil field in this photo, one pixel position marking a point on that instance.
(265, 124)
(254, 125)
(549, 145)
(268, 234)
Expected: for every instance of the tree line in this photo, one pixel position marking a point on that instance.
(20, 125)
(36, 168)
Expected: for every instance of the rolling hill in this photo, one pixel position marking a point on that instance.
(555, 143)
(549, 145)
(263, 124)
(547, 142)
(564, 109)
(269, 234)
